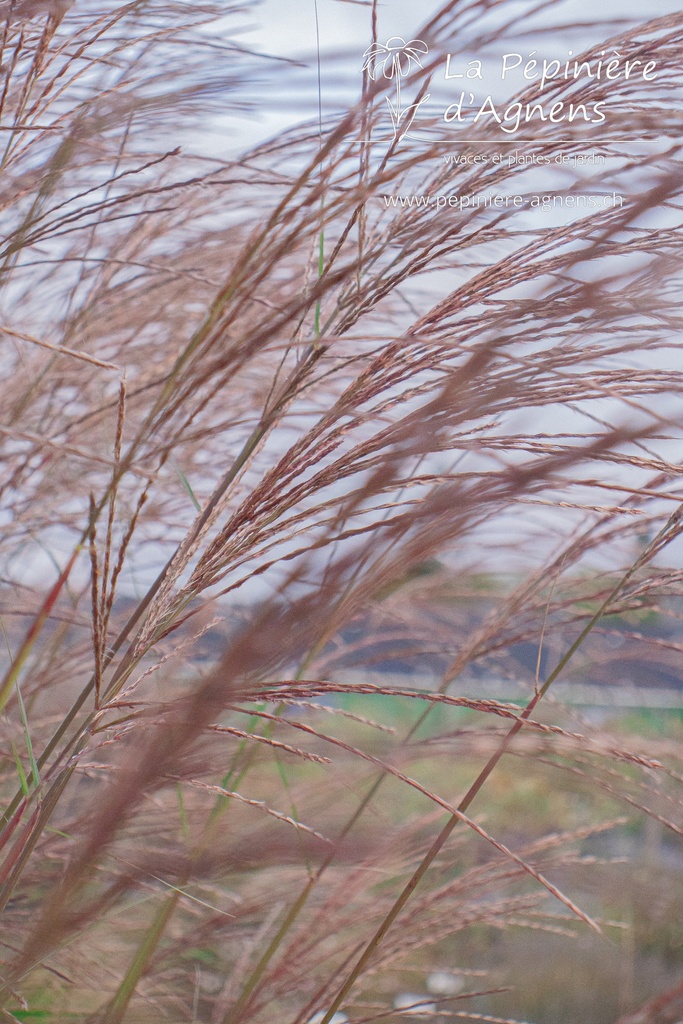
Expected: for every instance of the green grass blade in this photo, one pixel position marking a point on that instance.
(35, 774)
(23, 781)
(186, 484)
(117, 1009)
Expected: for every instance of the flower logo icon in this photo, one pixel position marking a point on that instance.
(395, 59)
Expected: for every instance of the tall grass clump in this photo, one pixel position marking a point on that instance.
(289, 475)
